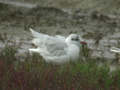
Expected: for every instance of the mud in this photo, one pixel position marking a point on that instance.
(101, 30)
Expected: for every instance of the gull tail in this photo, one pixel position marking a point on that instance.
(114, 49)
(34, 33)
(34, 50)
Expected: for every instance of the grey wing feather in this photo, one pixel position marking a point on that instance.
(53, 45)
(37, 35)
(57, 49)
(60, 37)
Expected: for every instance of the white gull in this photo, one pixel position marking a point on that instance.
(57, 49)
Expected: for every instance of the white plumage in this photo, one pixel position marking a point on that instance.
(58, 48)
(114, 49)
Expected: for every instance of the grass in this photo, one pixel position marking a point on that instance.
(35, 74)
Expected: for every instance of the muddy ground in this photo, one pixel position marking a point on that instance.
(96, 21)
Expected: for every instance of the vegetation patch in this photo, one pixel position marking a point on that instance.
(35, 73)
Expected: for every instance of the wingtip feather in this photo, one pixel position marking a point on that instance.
(31, 30)
(34, 33)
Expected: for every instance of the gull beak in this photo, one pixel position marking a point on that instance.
(83, 43)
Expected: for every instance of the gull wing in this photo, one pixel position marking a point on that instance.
(48, 45)
(60, 37)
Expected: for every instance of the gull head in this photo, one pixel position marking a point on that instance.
(75, 39)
